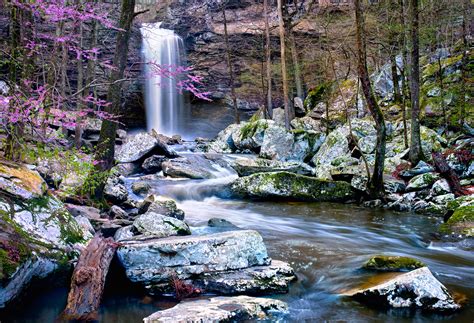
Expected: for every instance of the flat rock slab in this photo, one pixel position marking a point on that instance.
(155, 261)
(415, 289)
(221, 309)
(247, 166)
(272, 279)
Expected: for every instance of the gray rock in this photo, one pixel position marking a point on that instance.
(279, 116)
(161, 205)
(88, 212)
(152, 164)
(336, 145)
(258, 280)
(440, 187)
(224, 142)
(127, 169)
(421, 168)
(277, 144)
(116, 212)
(20, 182)
(115, 191)
(444, 199)
(221, 223)
(160, 226)
(221, 309)
(86, 226)
(136, 147)
(422, 181)
(367, 144)
(155, 261)
(140, 187)
(418, 288)
(33, 268)
(292, 186)
(194, 167)
(125, 233)
(247, 166)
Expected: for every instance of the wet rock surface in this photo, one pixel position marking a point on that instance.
(415, 289)
(221, 309)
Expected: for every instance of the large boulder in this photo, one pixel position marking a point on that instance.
(415, 289)
(247, 166)
(335, 146)
(152, 164)
(115, 190)
(277, 144)
(221, 309)
(193, 166)
(422, 181)
(224, 142)
(139, 145)
(392, 263)
(160, 226)
(292, 186)
(155, 261)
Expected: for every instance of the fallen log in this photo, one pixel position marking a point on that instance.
(88, 279)
(442, 166)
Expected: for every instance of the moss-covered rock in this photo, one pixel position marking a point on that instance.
(392, 263)
(422, 181)
(461, 222)
(20, 182)
(293, 187)
(316, 95)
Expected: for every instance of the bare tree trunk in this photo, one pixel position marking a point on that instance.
(106, 146)
(405, 89)
(466, 31)
(268, 55)
(80, 84)
(289, 112)
(397, 97)
(229, 66)
(296, 65)
(88, 279)
(416, 153)
(376, 187)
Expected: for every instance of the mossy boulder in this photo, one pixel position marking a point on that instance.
(20, 182)
(292, 187)
(247, 166)
(422, 181)
(392, 263)
(461, 222)
(316, 95)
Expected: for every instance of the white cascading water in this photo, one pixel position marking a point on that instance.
(165, 105)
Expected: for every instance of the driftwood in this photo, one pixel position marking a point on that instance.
(88, 279)
(442, 166)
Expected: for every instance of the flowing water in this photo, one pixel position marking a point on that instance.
(325, 243)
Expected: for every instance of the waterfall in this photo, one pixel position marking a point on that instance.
(166, 110)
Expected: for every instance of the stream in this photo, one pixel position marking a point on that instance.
(325, 243)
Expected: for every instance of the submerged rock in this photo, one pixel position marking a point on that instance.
(155, 261)
(392, 263)
(292, 186)
(221, 309)
(247, 166)
(415, 289)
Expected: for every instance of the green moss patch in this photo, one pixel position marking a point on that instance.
(392, 263)
(461, 222)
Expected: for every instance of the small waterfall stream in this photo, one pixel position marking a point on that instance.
(165, 105)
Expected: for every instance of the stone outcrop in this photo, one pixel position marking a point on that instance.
(247, 166)
(415, 289)
(221, 309)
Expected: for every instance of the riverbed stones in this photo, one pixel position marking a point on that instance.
(141, 187)
(415, 289)
(292, 186)
(155, 261)
(392, 263)
(160, 226)
(221, 309)
(247, 166)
